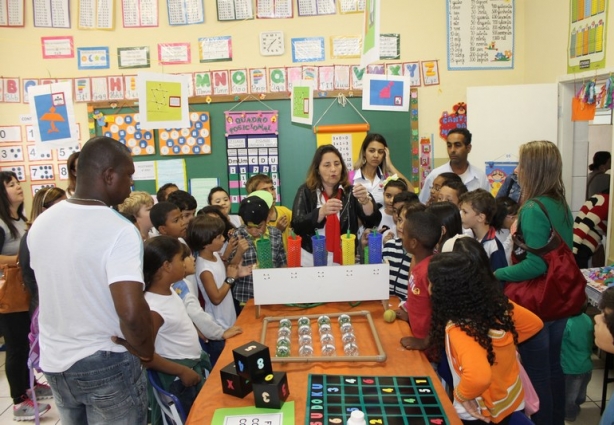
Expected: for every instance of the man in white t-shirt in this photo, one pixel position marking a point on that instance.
(88, 264)
(459, 146)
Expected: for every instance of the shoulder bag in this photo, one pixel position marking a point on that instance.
(559, 292)
(14, 296)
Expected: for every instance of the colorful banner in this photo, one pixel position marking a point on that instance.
(251, 122)
(587, 35)
(497, 171)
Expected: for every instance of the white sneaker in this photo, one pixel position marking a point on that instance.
(24, 411)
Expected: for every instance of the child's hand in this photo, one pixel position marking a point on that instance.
(232, 331)
(402, 315)
(472, 407)
(364, 239)
(244, 270)
(242, 246)
(388, 236)
(189, 378)
(232, 245)
(282, 224)
(413, 343)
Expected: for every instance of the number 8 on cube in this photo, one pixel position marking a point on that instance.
(253, 360)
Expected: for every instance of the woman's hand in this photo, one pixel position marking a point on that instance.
(189, 378)
(361, 193)
(332, 206)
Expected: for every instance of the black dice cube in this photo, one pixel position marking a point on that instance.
(234, 384)
(253, 360)
(271, 391)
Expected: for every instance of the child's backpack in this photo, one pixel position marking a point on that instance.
(34, 360)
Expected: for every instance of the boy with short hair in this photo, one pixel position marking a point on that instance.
(421, 234)
(451, 191)
(166, 217)
(186, 203)
(254, 213)
(165, 190)
(206, 237)
(279, 216)
(478, 209)
(138, 205)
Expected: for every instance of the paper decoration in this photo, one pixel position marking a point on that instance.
(497, 172)
(316, 7)
(36, 187)
(174, 53)
(12, 13)
(412, 70)
(347, 138)
(163, 101)
(139, 13)
(195, 140)
(83, 90)
(390, 46)
(426, 159)
(221, 85)
(35, 154)
(416, 161)
(249, 155)
(42, 172)
(144, 170)
(171, 171)
(370, 44)
(189, 77)
(215, 49)
(11, 153)
(385, 93)
(100, 92)
(308, 49)
(51, 14)
(455, 119)
(357, 74)
(345, 46)
(301, 103)
(587, 35)
(342, 77)
(351, 6)
(238, 81)
(10, 133)
(185, 12)
(96, 14)
(19, 170)
(27, 83)
(62, 171)
(51, 105)
(127, 129)
(480, 36)
(93, 57)
(200, 188)
(274, 9)
(258, 80)
(11, 87)
(430, 73)
(202, 83)
(133, 57)
(277, 80)
(326, 78)
(251, 122)
(394, 69)
(234, 10)
(57, 47)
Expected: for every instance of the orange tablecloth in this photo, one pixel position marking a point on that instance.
(399, 362)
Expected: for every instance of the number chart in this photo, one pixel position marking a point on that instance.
(252, 148)
(385, 400)
(195, 140)
(127, 129)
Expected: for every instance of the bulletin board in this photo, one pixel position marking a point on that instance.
(296, 142)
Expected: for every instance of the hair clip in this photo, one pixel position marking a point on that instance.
(389, 179)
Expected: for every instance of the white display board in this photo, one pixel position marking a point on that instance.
(294, 285)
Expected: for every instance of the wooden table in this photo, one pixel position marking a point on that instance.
(399, 362)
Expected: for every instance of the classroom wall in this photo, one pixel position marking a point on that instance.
(422, 26)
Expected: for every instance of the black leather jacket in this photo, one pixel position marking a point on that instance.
(305, 215)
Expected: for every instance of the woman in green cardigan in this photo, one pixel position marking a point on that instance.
(540, 177)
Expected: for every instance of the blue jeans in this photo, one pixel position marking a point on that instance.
(214, 348)
(541, 358)
(608, 414)
(104, 388)
(575, 393)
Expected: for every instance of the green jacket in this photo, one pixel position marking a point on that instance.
(536, 231)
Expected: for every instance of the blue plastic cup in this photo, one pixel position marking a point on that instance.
(375, 248)
(320, 255)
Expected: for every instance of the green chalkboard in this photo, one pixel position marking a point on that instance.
(297, 143)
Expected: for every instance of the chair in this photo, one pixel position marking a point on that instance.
(172, 410)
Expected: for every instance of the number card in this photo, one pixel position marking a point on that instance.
(36, 187)
(19, 170)
(35, 154)
(10, 133)
(63, 171)
(64, 153)
(11, 154)
(42, 172)
(257, 419)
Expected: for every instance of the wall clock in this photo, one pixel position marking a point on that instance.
(272, 43)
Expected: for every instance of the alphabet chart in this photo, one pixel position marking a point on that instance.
(195, 140)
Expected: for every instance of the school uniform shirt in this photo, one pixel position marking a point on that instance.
(387, 220)
(399, 261)
(497, 388)
(177, 337)
(473, 178)
(591, 223)
(577, 346)
(494, 249)
(224, 313)
(418, 304)
(375, 187)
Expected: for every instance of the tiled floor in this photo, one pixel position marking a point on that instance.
(589, 415)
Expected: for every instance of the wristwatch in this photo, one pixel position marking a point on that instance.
(230, 281)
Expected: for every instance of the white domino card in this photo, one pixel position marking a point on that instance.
(258, 418)
(42, 172)
(10, 133)
(37, 154)
(19, 170)
(36, 187)
(65, 152)
(11, 154)
(63, 171)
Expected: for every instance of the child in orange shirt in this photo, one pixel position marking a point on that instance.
(479, 328)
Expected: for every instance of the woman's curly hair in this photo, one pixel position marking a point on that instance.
(463, 293)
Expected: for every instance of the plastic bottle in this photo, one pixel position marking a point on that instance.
(357, 418)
